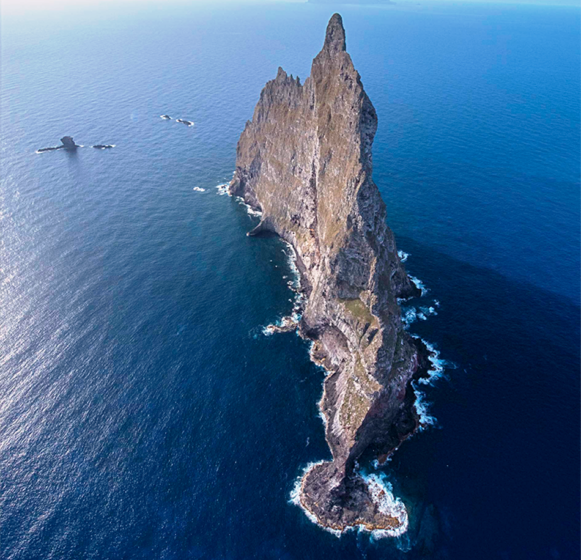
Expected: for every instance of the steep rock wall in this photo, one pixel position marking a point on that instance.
(304, 160)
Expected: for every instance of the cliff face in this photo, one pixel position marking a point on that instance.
(305, 162)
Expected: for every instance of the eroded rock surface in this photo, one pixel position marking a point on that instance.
(305, 162)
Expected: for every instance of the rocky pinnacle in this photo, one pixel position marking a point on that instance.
(304, 161)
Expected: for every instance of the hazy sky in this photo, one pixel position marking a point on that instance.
(9, 6)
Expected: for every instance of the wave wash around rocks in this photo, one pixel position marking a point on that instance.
(304, 162)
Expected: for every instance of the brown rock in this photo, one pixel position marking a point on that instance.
(305, 161)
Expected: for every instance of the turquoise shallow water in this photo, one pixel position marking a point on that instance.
(144, 415)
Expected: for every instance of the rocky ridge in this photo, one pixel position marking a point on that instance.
(304, 161)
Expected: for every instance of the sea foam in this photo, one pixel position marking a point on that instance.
(295, 498)
(436, 370)
(419, 284)
(382, 495)
(250, 211)
(438, 365)
(421, 406)
(294, 284)
(403, 256)
(412, 314)
(222, 189)
(292, 262)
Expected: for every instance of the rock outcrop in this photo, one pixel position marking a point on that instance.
(305, 162)
(68, 143)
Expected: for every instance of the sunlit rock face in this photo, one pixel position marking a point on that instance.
(305, 162)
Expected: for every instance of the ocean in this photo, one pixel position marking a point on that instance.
(143, 411)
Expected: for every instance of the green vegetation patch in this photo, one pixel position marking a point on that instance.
(358, 309)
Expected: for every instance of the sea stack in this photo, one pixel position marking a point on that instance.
(304, 161)
(68, 143)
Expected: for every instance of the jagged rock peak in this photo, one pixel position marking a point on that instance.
(305, 161)
(283, 77)
(335, 37)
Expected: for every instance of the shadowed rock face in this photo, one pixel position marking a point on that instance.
(305, 161)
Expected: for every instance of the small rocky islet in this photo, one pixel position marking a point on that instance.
(68, 144)
(304, 162)
(182, 121)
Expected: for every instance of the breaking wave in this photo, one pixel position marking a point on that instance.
(222, 189)
(438, 364)
(251, 211)
(419, 284)
(269, 330)
(425, 418)
(292, 320)
(382, 495)
(377, 465)
(295, 498)
(403, 256)
(199, 189)
(436, 371)
(412, 314)
(292, 263)
(409, 316)
(288, 322)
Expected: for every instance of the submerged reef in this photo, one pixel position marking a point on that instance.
(304, 162)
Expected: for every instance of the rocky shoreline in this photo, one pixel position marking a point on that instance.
(360, 510)
(304, 163)
(364, 510)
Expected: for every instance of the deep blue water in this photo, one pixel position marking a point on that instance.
(142, 412)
